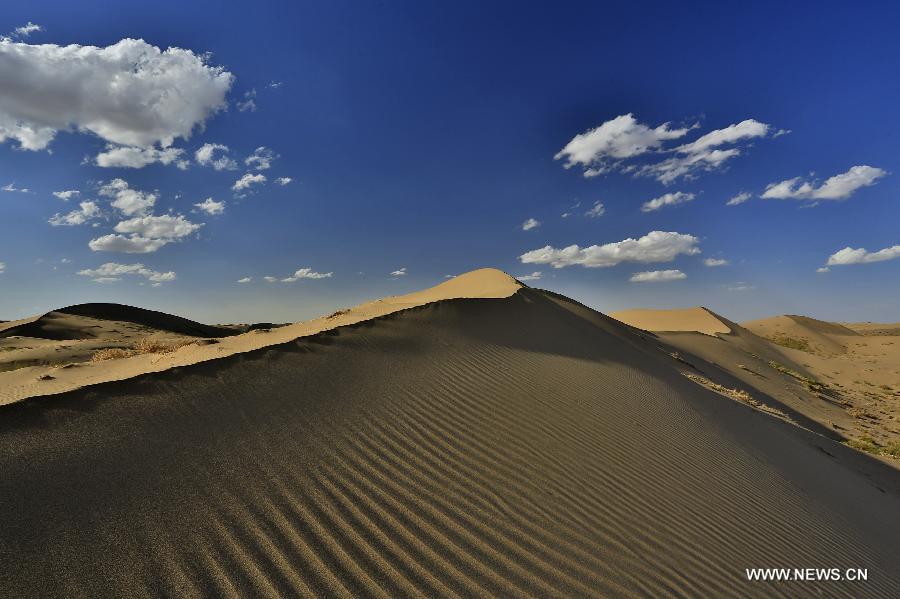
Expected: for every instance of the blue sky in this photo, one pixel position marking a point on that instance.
(419, 138)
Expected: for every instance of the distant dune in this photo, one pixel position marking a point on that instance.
(698, 319)
(477, 439)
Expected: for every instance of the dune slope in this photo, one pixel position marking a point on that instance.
(518, 446)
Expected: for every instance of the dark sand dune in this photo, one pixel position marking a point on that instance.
(80, 322)
(481, 447)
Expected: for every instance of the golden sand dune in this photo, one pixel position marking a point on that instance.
(515, 445)
(819, 336)
(699, 319)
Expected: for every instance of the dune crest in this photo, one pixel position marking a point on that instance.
(31, 381)
(697, 319)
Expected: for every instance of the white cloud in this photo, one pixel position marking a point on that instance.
(306, 273)
(850, 255)
(668, 199)
(27, 29)
(535, 276)
(739, 198)
(283, 180)
(270, 279)
(248, 180)
(400, 272)
(823, 269)
(211, 207)
(608, 147)
(245, 280)
(130, 93)
(671, 169)
(838, 187)
(2, 267)
(746, 129)
(136, 157)
(741, 286)
(166, 227)
(657, 276)
(261, 159)
(275, 84)
(715, 262)
(11, 187)
(248, 104)
(656, 246)
(128, 201)
(206, 156)
(113, 271)
(623, 137)
(530, 224)
(126, 245)
(597, 210)
(65, 196)
(703, 154)
(86, 212)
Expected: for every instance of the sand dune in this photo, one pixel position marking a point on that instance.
(698, 319)
(513, 445)
(820, 336)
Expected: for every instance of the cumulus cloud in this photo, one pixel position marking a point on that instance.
(86, 212)
(128, 201)
(597, 210)
(247, 181)
(715, 262)
(530, 224)
(245, 280)
(129, 94)
(261, 159)
(165, 227)
(113, 271)
(211, 207)
(67, 195)
(739, 198)
(270, 279)
(668, 199)
(656, 246)
(400, 272)
(283, 180)
(206, 156)
(598, 149)
(306, 273)
(657, 276)
(850, 255)
(126, 245)
(535, 276)
(838, 187)
(27, 29)
(610, 146)
(137, 157)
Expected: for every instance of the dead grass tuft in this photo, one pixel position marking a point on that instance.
(147, 345)
(736, 394)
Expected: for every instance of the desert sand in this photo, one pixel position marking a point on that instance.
(481, 438)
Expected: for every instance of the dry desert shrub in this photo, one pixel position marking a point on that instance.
(146, 345)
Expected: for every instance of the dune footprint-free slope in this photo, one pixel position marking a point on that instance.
(514, 447)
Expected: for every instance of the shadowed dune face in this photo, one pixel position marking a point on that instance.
(86, 321)
(524, 446)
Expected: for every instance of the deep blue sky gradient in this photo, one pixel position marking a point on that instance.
(421, 135)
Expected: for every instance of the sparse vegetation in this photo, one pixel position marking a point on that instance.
(736, 394)
(791, 343)
(811, 385)
(146, 345)
(869, 445)
(337, 313)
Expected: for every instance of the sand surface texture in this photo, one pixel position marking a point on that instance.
(517, 445)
